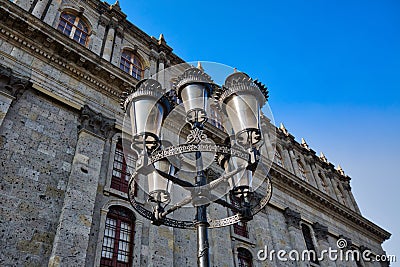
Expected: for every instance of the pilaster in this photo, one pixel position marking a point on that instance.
(109, 43)
(153, 62)
(161, 66)
(11, 88)
(293, 219)
(137, 242)
(116, 56)
(100, 32)
(39, 8)
(317, 178)
(287, 160)
(294, 163)
(313, 180)
(53, 12)
(72, 236)
(321, 234)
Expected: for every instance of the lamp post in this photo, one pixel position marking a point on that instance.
(241, 99)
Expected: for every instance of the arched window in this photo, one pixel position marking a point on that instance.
(278, 158)
(122, 167)
(245, 259)
(74, 27)
(302, 171)
(309, 243)
(130, 63)
(118, 238)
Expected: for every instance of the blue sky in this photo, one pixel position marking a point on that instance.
(332, 68)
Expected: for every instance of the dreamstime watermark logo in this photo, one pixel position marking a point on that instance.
(340, 254)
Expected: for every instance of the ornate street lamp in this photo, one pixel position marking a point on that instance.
(241, 98)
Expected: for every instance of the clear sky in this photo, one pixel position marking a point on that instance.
(332, 68)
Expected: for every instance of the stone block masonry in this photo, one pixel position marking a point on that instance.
(34, 171)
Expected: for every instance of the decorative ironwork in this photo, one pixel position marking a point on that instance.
(224, 222)
(149, 214)
(196, 136)
(202, 147)
(241, 82)
(194, 88)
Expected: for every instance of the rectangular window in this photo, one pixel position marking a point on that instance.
(122, 167)
(239, 228)
(118, 239)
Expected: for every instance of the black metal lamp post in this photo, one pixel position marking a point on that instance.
(148, 105)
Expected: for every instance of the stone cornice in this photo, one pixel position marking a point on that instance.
(52, 46)
(131, 29)
(292, 185)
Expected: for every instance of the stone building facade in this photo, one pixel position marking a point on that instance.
(63, 68)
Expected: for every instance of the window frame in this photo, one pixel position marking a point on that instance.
(132, 64)
(74, 27)
(244, 254)
(278, 155)
(108, 189)
(119, 219)
(121, 182)
(240, 228)
(309, 242)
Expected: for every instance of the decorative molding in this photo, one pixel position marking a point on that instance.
(289, 183)
(292, 218)
(321, 231)
(349, 243)
(10, 84)
(96, 123)
(103, 21)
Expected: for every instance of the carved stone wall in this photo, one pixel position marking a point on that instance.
(59, 108)
(37, 143)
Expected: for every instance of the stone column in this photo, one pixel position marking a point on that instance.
(11, 88)
(313, 180)
(161, 246)
(368, 263)
(321, 234)
(109, 43)
(161, 73)
(336, 190)
(97, 39)
(116, 56)
(153, 62)
(147, 73)
(347, 187)
(73, 230)
(330, 184)
(294, 163)
(317, 178)
(52, 12)
(293, 219)
(39, 8)
(287, 160)
(345, 195)
(137, 242)
(268, 146)
(24, 4)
